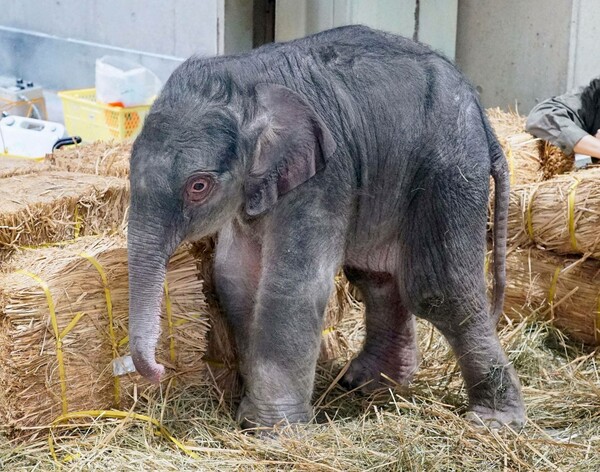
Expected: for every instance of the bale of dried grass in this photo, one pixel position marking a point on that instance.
(565, 291)
(99, 158)
(520, 148)
(91, 318)
(10, 167)
(562, 214)
(44, 208)
(221, 354)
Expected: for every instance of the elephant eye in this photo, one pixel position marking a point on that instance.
(198, 188)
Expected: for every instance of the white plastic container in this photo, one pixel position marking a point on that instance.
(27, 137)
(124, 82)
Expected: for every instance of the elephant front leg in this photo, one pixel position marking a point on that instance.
(237, 274)
(284, 338)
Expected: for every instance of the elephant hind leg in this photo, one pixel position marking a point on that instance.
(492, 384)
(444, 283)
(390, 348)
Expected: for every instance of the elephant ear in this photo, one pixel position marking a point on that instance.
(293, 147)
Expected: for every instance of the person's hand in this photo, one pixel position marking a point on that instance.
(598, 134)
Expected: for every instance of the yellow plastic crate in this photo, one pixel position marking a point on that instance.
(95, 121)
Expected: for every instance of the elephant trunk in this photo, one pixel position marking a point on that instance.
(148, 256)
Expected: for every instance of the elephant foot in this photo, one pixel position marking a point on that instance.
(262, 418)
(370, 372)
(495, 401)
(495, 419)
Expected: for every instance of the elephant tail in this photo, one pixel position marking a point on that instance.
(500, 174)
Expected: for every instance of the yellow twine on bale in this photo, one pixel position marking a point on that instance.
(57, 335)
(78, 221)
(327, 331)
(109, 311)
(511, 164)
(98, 414)
(169, 310)
(571, 211)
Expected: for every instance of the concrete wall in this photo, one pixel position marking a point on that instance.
(437, 18)
(173, 28)
(585, 57)
(238, 26)
(518, 53)
(56, 43)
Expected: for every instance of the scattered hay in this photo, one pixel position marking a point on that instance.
(554, 161)
(221, 354)
(565, 291)
(99, 158)
(421, 429)
(520, 148)
(32, 392)
(562, 214)
(44, 208)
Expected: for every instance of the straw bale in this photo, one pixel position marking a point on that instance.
(30, 393)
(99, 158)
(10, 167)
(563, 290)
(221, 354)
(554, 160)
(520, 148)
(542, 214)
(44, 208)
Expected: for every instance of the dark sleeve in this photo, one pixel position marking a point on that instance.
(556, 120)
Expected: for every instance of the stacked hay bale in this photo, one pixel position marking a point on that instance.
(553, 266)
(49, 207)
(560, 215)
(564, 290)
(63, 335)
(101, 158)
(529, 159)
(554, 269)
(521, 148)
(10, 167)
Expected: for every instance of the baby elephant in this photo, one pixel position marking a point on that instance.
(351, 148)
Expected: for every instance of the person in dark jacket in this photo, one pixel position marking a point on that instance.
(570, 121)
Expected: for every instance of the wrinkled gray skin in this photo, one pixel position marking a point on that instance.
(348, 148)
